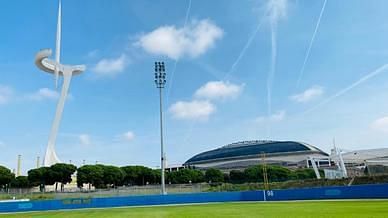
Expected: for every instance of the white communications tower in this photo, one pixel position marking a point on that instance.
(58, 69)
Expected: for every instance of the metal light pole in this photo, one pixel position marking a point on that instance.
(160, 81)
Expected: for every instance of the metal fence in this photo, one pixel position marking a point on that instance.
(72, 192)
(133, 190)
(75, 192)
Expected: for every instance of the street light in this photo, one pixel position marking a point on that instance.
(160, 81)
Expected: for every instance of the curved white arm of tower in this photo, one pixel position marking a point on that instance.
(67, 71)
(48, 65)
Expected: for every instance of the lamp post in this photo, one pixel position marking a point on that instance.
(160, 81)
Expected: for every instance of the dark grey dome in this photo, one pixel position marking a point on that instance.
(253, 148)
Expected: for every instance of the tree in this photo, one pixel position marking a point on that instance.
(254, 174)
(274, 173)
(113, 176)
(35, 176)
(226, 178)
(90, 174)
(185, 176)
(278, 174)
(131, 175)
(157, 176)
(214, 176)
(41, 176)
(237, 176)
(302, 174)
(20, 182)
(6, 177)
(145, 175)
(62, 173)
(140, 175)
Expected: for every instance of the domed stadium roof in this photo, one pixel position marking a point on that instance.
(255, 148)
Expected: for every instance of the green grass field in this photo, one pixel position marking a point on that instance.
(263, 209)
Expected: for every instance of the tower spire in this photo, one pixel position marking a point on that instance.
(58, 43)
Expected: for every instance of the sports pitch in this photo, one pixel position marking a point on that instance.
(365, 208)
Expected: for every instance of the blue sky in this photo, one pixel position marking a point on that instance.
(232, 68)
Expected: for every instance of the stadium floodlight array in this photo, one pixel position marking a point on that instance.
(160, 81)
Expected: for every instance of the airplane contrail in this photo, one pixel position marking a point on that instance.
(271, 74)
(242, 53)
(347, 89)
(311, 44)
(277, 10)
(231, 70)
(176, 61)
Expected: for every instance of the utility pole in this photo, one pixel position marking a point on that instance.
(160, 81)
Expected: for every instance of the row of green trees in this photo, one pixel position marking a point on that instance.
(57, 173)
(105, 176)
(250, 175)
(274, 173)
(101, 176)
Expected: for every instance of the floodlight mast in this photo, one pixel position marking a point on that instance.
(160, 81)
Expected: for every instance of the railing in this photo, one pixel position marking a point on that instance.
(74, 192)
(98, 193)
(133, 190)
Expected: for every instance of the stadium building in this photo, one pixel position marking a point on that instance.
(376, 160)
(240, 155)
(362, 157)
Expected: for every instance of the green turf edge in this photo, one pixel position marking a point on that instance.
(326, 208)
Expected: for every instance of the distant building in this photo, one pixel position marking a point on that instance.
(361, 157)
(376, 160)
(243, 154)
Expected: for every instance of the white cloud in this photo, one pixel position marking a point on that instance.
(111, 67)
(219, 90)
(192, 40)
(128, 136)
(192, 110)
(308, 95)
(84, 139)
(381, 124)
(202, 107)
(277, 117)
(277, 10)
(6, 93)
(92, 54)
(42, 94)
